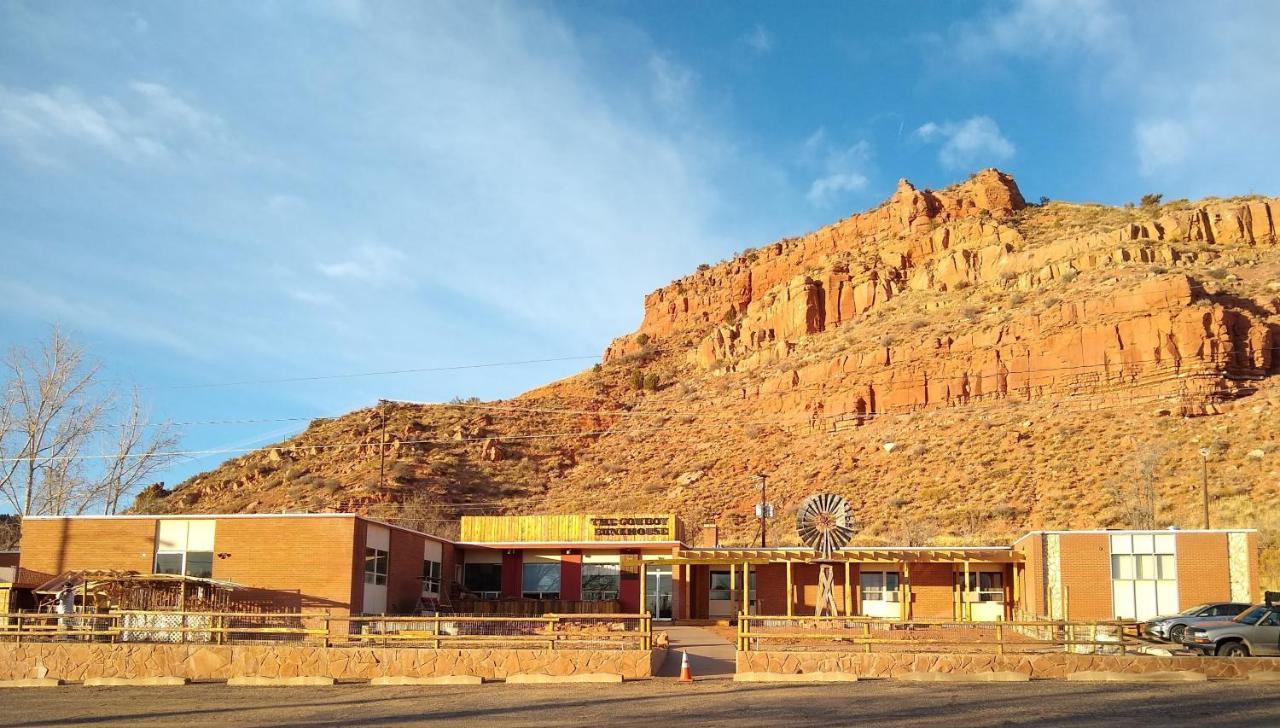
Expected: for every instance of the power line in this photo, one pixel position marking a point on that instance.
(419, 370)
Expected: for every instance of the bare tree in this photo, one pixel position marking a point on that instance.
(137, 454)
(58, 451)
(1136, 500)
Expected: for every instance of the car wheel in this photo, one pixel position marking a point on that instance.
(1176, 633)
(1233, 649)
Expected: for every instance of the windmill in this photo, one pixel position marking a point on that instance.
(825, 523)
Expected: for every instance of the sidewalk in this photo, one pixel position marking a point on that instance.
(711, 657)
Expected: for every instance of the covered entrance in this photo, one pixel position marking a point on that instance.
(658, 592)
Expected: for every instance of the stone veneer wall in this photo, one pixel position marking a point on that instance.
(77, 661)
(1060, 664)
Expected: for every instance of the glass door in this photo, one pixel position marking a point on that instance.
(657, 591)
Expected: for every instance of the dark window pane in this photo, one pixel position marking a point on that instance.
(200, 564)
(482, 578)
(168, 563)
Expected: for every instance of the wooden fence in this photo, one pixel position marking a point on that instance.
(551, 631)
(869, 634)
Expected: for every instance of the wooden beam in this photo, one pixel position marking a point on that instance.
(790, 595)
(643, 588)
(848, 602)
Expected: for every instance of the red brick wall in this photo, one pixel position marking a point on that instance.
(932, 591)
(1086, 575)
(1204, 572)
(53, 546)
(512, 574)
(571, 577)
(1032, 576)
(288, 561)
(404, 572)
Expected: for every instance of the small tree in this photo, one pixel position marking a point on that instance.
(1151, 200)
(1137, 500)
(642, 339)
(637, 379)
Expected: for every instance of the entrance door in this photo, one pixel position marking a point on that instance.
(657, 591)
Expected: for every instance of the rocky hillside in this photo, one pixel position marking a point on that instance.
(958, 363)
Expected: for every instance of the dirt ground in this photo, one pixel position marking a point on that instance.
(655, 702)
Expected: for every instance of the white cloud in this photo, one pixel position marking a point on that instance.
(367, 262)
(151, 123)
(1163, 144)
(673, 84)
(974, 142)
(1194, 82)
(758, 39)
(843, 169)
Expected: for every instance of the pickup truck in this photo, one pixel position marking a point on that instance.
(1253, 632)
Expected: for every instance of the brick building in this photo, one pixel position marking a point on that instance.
(339, 562)
(634, 563)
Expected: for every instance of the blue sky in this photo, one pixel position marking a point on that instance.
(209, 193)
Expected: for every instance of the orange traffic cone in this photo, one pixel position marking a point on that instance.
(686, 675)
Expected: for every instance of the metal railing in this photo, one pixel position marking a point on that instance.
(868, 634)
(551, 631)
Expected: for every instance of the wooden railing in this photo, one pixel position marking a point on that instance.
(869, 634)
(551, 631)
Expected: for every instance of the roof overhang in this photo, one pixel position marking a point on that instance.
(861, 555)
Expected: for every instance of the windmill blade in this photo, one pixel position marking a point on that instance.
(824, 522)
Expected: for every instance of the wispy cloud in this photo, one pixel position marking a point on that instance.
(1194, 84)
(368, 262)
(842, 168)
(976, 141)
(759, 40)
(150, 122)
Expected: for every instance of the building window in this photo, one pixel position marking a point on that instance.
(185, 547)
(721, 587)
(600, 582)
(879, 586)
(430, 577)
(1144, 575)
(375, 567)
(541, 581)
(483, 580)
(988, 586)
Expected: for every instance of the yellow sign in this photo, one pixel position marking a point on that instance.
(569, 528)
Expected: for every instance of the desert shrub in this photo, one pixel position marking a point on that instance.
(642, 339)
(1069, 276)
(1159, 270)
(597, 368)
(961, 285)
(1044, 200)
(731, 316)
(1150, 200)
(1007, 275)
(970, 311)
(703, 266)
(1218, 273)
(918, 324)
(1016, 299)
(651, 382)
(637, 379)
(887, 341)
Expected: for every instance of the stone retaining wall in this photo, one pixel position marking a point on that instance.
(1056, 665)
(77, 661)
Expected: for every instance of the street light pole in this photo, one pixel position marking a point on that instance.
(1204, 483)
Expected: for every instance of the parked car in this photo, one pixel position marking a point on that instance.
(1172, 627)
(1253, 632)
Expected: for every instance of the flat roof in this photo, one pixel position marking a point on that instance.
(1133, 531)
(569, 544)
(227, 516)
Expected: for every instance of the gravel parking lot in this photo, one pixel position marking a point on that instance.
(656, 702)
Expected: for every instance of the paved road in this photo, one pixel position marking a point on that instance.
(711, 657)
(660, 702)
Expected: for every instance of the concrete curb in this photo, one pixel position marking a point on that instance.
(1265, 676)
(966, 677)
(441, 680)
(531, 678)
(1131, 677)
(253, 681)
(31, 682)
(118, 682)
(802, 677)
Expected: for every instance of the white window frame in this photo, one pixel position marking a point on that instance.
(372, 558)
(431, 576)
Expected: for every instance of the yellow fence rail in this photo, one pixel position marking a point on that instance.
(550, 631)
(868, 634)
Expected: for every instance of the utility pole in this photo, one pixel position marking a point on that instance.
(764, 509)
(1204, 483)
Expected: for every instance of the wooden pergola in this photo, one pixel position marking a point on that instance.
(901, 556)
